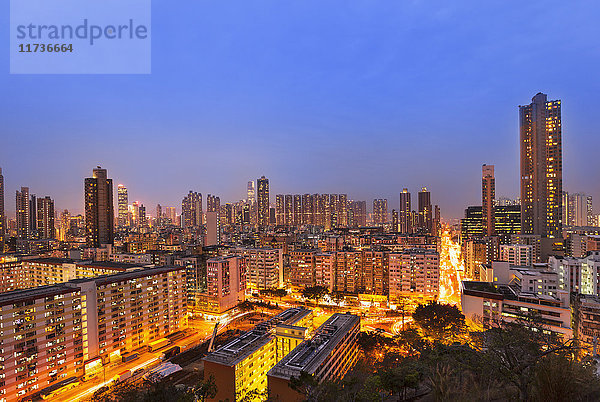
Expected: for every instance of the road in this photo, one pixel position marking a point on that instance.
(452, 269)
(198, 333)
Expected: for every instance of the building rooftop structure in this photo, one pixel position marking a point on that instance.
(19, 295)
(250, 341)
(310, 354)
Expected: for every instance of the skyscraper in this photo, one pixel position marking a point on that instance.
(289, 209)
(251, 192)
(191, 210)
(380, 211)
(579, 210)
(122, 202)
(488, 194)
(45, 218)
(33, 216)
(99, 211)
(213, 225)
(279, 210)
(297, 210)
(263, 201)
(23, 213)
(2, 215)
(541, 167)
(425, 212)
(405, 213)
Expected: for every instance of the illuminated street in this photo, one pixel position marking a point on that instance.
(452, 269)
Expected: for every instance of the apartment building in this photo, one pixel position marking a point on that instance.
(35, 272)
(414, 271)
(50, 333)
(487, 302)
(264, 267)
(328, 355)
(302, 267)
(242, 364)
(517, 254)
(225, 284)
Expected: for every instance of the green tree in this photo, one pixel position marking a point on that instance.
(206, 389)
(440, 321)
(315, 293)
(516, 349)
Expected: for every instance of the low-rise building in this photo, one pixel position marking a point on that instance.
(241, 365)
(489, 303)
(328, 355)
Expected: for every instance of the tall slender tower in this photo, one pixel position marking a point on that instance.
(488, 194)
(279, 210)
(425, 212)
(380, 211)
(99, 212)
(541, 167)
(263, 201)
(45, 218)
(122, 202)
(405, 215)
(2, 216)
(33, 216)
(23, 213)
(191, 210)
(251, 192)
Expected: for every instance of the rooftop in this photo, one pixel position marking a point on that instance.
(250, 341)
(310, 354)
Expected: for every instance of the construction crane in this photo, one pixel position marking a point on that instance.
(212, 339)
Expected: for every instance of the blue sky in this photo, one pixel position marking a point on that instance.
(359, 97)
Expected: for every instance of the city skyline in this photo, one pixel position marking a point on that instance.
(331, 110)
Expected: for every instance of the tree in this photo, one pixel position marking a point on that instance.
(206, 389)
(439, 321)
(315, 292)
(280, 293)
(517, 349)
(560, 378)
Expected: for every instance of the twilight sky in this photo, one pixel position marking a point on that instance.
(357, 97)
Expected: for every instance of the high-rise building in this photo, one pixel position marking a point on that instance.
(171, 215)
(142, 217)
(225, 284)
(2, 215)
(45, 218)
(395, 225)
(251, 192)
(578, 210)
(289, 210)
(191, 210)
(297, 209)
(342, 211)
(425, 212)
(380, 211)
(280, 210)
(263, 201)
(212, 229)
(33, 216)
(488, 194)
(359, 212)
(405, 212)
(541, 167)
(122, 202)
(99, 213)
(307, 209)
(65, 225)
(23, 213)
